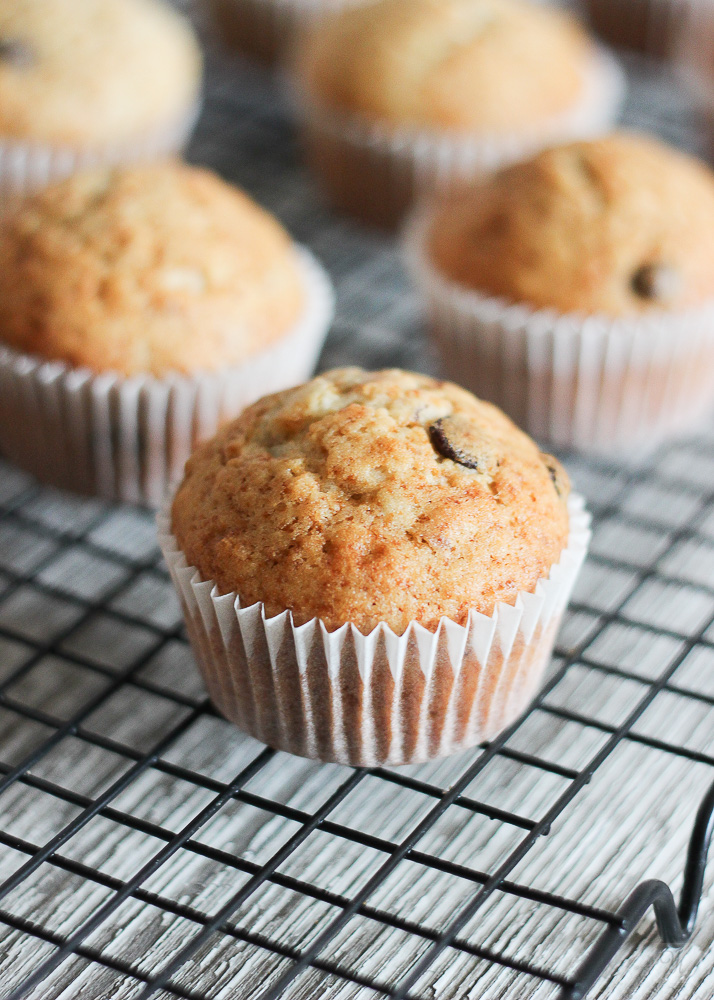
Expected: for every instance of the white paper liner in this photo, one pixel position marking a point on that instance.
(268, 29)
(376, 173)
(29, 166)
(381, 698)
(593, 383)
(128, 438)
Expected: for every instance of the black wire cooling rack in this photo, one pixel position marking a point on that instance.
(147, 848)
(84, 722)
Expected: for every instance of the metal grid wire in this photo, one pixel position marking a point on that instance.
(148, 848)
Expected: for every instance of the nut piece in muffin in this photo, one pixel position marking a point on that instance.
(454, 65)
(152, 269)
(618, 226)
(373, 497)
(85, 73)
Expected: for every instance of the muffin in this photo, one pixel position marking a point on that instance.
(406, 96)
(373, 567)
(650, 26)
(91, 82)
(576, 290)
(266, 30)
(139, 307)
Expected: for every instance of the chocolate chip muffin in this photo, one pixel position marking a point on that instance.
(139, 308)
(456, 86)
(488, 65)
(146, 270)
(373, 498)
(367, 566)
(89, 80)
(621, 225)
(576, 290)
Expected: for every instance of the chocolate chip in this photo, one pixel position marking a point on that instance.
(468, 442)
(15, 53)
(656, 282)
(446, 440)
(557, 474)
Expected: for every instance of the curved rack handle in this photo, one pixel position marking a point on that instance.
(675, 924)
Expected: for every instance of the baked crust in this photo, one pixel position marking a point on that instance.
(330, 500)
(463, 65)
(622, 225)
(91, 72)
(151, 269)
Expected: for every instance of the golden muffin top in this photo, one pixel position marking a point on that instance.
(90, 72)
(368, 497)
(148, 269)
(619, 226)
(464, 65)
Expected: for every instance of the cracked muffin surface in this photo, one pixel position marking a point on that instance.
(368, 497)
(490, 65)
(622, 225)
(149, 269)
(94, 71)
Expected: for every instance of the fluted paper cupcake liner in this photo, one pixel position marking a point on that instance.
(379, 698)
(29, 166)
(127, 438)
(375, 173)
(651, 26)
(593, 383)
(267, 29)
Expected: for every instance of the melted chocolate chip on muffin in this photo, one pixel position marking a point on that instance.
(558, 475)
(618, 226)
(657, 282)
(87, 73)
(376, 497)
(458, 439)
(15, 53)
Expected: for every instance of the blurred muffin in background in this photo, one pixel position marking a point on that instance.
(576, 290)
(92, 82)
(651, 26)
(406, 96)
(139, 307)
(267, 29)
